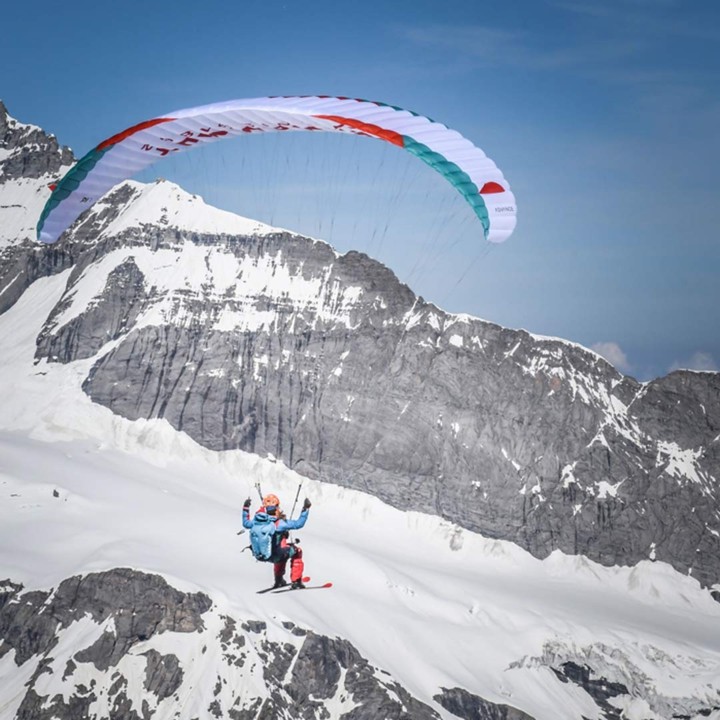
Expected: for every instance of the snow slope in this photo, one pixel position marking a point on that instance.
(163, 203)
(83, 490)
(21, 202)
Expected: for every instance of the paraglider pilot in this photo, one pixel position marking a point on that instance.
(269, 538)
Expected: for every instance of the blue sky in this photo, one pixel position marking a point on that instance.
(603, 116)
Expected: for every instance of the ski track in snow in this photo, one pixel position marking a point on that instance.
(433, 605)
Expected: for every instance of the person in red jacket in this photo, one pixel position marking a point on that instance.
(269, 539)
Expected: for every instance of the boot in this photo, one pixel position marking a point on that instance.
(280, 581)
(298, 585)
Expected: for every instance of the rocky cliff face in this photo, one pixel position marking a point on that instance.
(275, 344)
(126, 645)
(27, 152)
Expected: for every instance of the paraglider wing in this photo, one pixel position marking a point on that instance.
(463, 164)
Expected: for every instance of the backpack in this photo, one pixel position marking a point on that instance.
(262, 532)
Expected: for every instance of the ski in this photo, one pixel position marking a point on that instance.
(307, 587)
(284, 587)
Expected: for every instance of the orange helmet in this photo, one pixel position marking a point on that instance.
(271, 501)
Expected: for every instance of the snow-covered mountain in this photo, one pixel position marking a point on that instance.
(513, 527)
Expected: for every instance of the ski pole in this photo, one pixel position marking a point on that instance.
(297, 495)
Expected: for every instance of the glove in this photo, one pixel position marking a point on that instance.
(307, 504)
(247, 504)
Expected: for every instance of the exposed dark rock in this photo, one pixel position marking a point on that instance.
(471, 707)
(32, 153)
(22, 264)
(139, 604)
(254, 626)
(163, 674)
(8, 591)
(22, 630)
(122, 300)
(599, 689)
(34, 707)
(317, 668)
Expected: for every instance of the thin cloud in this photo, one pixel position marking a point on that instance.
(702, 361)
(657, 19)
(612, 41)
(614, 354)
(491, 45)
(496, 47)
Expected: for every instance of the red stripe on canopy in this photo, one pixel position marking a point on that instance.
(369, 129)
(115, 139)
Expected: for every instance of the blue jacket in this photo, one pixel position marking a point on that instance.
(266, 533)
(280, 525)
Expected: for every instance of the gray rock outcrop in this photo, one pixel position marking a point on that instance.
(471, 707)
(31, 153)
